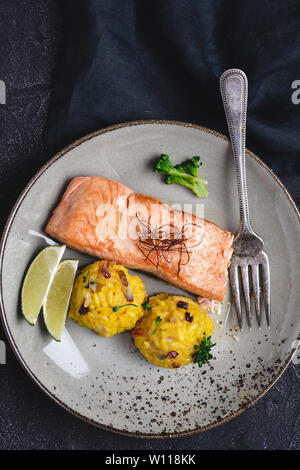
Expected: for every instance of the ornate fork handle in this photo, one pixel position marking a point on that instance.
(234, 90)
(248, 255)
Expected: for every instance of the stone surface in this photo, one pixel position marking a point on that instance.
(29, 39)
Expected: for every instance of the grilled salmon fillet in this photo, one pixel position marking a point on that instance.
(107, 220)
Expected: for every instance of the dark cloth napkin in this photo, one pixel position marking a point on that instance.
(127, 60)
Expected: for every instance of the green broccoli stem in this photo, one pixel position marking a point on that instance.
(186, 176)
(198, 189)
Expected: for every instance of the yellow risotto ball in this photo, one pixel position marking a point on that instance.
(107, 299)
(170, 330)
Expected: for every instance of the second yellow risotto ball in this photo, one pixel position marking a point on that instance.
(172, 331)
(107, 299)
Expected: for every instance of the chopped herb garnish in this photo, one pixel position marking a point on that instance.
(117, 307)
(158, 320)
(90, 283)
(202, 354)
(86, 276)
(146, 305)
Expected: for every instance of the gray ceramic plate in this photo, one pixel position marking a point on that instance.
(106, 381)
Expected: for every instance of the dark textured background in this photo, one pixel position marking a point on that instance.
(30, 34)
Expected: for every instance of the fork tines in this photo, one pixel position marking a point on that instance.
(257, 271)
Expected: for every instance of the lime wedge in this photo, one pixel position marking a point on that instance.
(37, 281)
(56, 303)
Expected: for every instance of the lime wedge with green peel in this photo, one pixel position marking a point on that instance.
(56, 303)
(38, 279)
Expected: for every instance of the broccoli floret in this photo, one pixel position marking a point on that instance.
(185, 174)
(191, 166)
(163, 165)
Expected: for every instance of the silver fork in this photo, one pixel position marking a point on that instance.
(248, 255)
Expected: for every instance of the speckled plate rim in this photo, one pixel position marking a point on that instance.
(5, 234)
